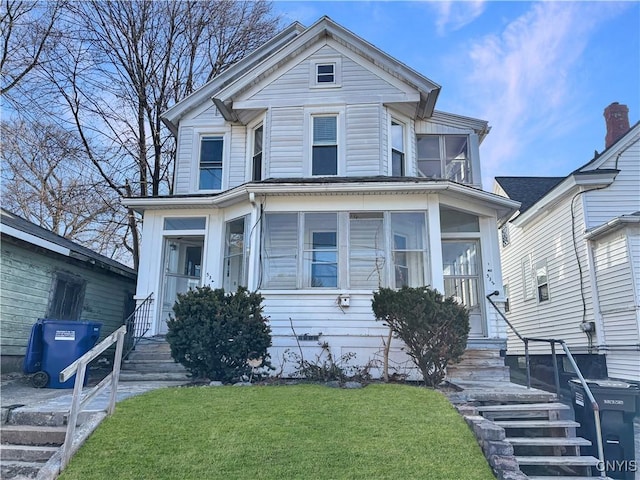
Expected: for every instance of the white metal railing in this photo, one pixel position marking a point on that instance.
(79, 367)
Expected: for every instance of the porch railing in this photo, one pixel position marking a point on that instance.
(552, 343)
(79, 368)
(138, 324)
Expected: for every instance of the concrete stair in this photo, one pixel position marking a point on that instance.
(151, 361)
(479, 365)
(543, 439)
(26, 448)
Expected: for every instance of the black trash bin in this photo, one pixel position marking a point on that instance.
(618, 403)
(54, 345)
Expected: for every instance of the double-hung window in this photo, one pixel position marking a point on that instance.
(397, 150)
(542, 280)
(324, 156)
(444, 156)
(409, 245)
(235, 264)
(321, 249)
(325, 73)
(257, 154)
(211, 153)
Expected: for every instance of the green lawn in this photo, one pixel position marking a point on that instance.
(282, 432)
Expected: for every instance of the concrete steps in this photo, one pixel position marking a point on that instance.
(151, 361)
(543, 439)
(26, 448)
(479, 364)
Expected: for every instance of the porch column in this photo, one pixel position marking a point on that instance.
(435, 242)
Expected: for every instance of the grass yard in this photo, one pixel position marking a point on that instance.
(282, 432)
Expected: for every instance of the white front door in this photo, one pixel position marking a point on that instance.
(461, 265)
(182, 271)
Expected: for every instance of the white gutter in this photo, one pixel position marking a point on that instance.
(562, 190)
(611, 226)
(34, 240)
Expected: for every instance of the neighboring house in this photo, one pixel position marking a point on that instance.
(316, 170)
(571, 257)
(47, 276)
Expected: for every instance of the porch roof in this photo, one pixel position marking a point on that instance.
(376, 185)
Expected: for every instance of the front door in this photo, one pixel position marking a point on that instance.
(461, 265)
(182, 271)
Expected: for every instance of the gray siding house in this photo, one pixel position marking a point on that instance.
(47, 276)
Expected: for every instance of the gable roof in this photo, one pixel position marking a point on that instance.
(527, 190)
(19, 228)
(293, 41)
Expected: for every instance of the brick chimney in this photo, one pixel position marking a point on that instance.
(616, 117)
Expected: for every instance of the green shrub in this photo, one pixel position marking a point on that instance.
(433, 328)
(214, 334)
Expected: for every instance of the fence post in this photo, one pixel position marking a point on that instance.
(72, 420)
(115, 374)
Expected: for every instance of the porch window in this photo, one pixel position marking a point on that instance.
(67, 297)
(321, 250)
(257, 154)
(444, 156)
(211, 152)
(324, 156)
(235, 265)
(397, 150)
(280, 257)
(461, 268)
(367, 245)
(408, 255)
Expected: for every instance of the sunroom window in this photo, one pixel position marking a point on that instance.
(408, 255)
(444, 156)
(367, 245)
(321, 250)
(235, 265)
(211, 151)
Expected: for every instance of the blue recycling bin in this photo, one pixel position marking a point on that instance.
(33, 355)
(63, 342)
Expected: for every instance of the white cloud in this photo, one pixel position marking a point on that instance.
(454, 15)
(526, 79)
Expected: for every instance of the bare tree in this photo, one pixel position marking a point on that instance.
(117, 65)
(26, 30)
(128, 61)
(45, 181)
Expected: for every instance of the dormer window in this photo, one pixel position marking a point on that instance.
(211, 152)
(325, 73)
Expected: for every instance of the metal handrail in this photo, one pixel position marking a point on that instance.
(552, 342)
(138, 324)
(79, 368)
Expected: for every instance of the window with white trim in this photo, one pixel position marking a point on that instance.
(397, 150)
(235, 261)
(211, 154)
(324, 155)
(542, 280)
(444, 156)
(383, 249)
(256, 159)
(325, 73)
(527, 278)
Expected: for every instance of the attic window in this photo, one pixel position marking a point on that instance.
(325, 73)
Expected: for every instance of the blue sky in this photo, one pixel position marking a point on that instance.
(541, 73)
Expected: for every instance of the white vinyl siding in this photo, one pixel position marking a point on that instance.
(363, 140)
(618, 305)
(293, 84)
(236, 163)
(550, 239)
(286, 140)
(186, 159)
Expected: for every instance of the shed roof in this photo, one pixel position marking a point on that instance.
(31, 233)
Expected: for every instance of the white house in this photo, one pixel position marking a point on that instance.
(571, 256)
(316, 170)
